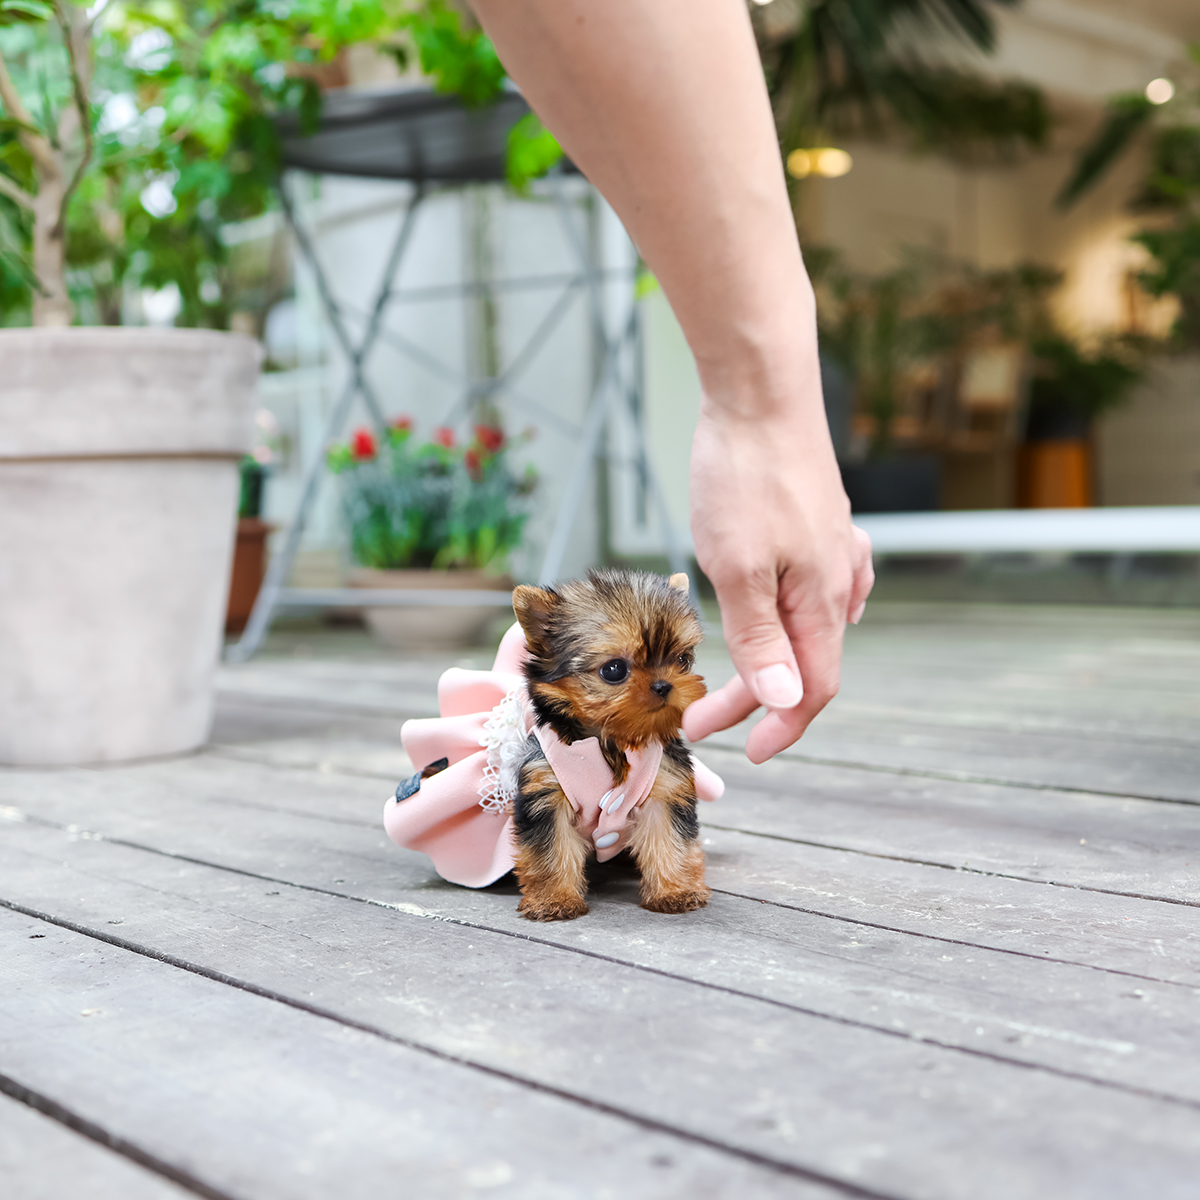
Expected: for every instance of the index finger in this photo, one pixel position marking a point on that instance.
(725, 707)
(818, 646)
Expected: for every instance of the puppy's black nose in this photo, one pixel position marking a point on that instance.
(661, 687)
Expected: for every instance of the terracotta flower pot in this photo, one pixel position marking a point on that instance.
(445, 627)
(119, 453)
(249, 565)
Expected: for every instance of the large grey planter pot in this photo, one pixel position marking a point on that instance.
(119, 457)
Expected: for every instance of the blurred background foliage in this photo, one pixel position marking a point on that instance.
(182, 95)
(1168, 194)
(921, 320)
(878, 68)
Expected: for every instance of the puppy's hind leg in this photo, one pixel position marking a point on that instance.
(551, 852)
(666, 843)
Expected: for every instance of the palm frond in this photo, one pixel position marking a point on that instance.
(1127, 116)
(866, 66)
(947, 110)
(1174, 176)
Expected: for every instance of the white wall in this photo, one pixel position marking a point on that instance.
(1148, 451)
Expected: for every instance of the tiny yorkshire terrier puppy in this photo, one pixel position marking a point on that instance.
(610, 657)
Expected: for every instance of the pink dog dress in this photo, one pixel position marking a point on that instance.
(461, 816)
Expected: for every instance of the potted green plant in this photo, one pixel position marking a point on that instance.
(873, 329)
(436, 514)
(119, 448)
(250, 548)
(1167, 116)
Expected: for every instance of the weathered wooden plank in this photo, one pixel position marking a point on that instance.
(1104, 699)
(1029, 750)
(259, 1099)
(1120, 844)
(41, 1159)
(1115, 933)
(389, 686)
(1126, 672)
(1102, 1025)
(343, 756)
(242, 720)
(1107, 700)
(1103, 762)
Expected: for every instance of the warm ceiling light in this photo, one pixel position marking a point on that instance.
(1159, 91)
(826, 161)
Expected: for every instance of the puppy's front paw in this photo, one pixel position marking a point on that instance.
(552, 908)
(677, 902)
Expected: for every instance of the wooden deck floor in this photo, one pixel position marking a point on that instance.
(954, 950)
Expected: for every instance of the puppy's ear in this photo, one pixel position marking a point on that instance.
(533, 606)
(680, 583)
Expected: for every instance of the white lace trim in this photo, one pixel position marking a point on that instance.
(504, 737)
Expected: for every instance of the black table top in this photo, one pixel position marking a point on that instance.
(405, 133)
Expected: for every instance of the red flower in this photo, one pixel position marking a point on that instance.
(445, 437)
(404, 424)
(489, 437)
(471, 462)
(362, 445)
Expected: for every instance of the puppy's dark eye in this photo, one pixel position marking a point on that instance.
(616, 670)
(685, 662)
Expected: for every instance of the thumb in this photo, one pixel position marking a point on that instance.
(758, 644)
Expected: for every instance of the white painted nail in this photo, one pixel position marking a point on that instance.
(612, 808)
(778, 687)
(604, 799)
(603, 843)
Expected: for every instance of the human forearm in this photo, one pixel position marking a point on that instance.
(664, 108)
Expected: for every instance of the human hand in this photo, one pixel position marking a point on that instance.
(772, 531)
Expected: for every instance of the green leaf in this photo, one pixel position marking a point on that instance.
(459, 60)
(944, 109)
(309, 108)
(862, 65)
(13, 12)
(531, 151)
(12, 125)
(1127, 116)
(646, 284)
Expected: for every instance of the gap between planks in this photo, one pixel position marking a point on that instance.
(97, 1134)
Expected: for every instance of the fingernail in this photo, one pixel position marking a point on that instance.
(856, 615)
(778, 686)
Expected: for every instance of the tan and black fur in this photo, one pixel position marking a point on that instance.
(647, 623)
